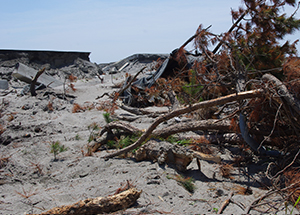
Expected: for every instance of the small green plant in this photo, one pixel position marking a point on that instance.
(77, 137)
(216, 210)
(111, 144)
(93, 128)
(186, 182)
(126, 141)
(184, 142)
(107, 117)
(296, 203)
(57, 147)
(123, 142)
(193, 88)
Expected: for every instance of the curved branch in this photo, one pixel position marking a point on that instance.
(191, 108)
(193, 126)
(283, 92)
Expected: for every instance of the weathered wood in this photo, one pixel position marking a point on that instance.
(172, 154)
(205, 125)
(191, 108)
(34, 80)
(120, 125)
(121, 91)
(283, 92)
(25, 73)
(142, 111)
(165, 152)
(99, 205)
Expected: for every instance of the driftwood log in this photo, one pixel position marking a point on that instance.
(191, 108)
(99, 205)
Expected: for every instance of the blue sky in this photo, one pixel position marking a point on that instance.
(110, 29)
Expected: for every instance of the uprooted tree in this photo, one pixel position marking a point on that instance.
(247, 57)
(250, 79)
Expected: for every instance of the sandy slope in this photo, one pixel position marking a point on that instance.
(31, 182)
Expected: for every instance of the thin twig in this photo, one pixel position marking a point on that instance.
(274, 125)
(285, 168)
(271, 192)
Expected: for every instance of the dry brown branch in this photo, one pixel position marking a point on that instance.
(115, 95)
(225, 203)
(209, 124)
(271, 192)
(120, 125)
(283, 92)
(216, 138)
(203, 125)
(99, 205)
(285, 168)
(191, 108)
(34, 80)
(130, 82)
(230, 30)
(142, 111)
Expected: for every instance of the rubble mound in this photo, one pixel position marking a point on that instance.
(57, 63)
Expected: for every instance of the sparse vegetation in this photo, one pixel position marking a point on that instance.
(186, 182)
(93, 128)
(56, 148)
(77, 137)
(107, 117)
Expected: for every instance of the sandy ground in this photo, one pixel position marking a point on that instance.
(32, 182)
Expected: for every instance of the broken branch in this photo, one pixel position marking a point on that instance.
(33, 82)
(191, 108)
(225, 203)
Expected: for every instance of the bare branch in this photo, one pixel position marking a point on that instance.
(191, 108)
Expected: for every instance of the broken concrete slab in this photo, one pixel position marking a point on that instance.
(3, 84)
(26, 74)
(140, 58)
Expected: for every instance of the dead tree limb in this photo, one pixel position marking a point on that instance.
(230, 30)
(216, 138)
(269, 193)
(130, 82)
(34, 80)
(120, 125)
(283, 92)
(99, 205)
(142, 111)
(204, 125)
(193, 126)
(191, 108)
(225, 203)
(121, 91)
